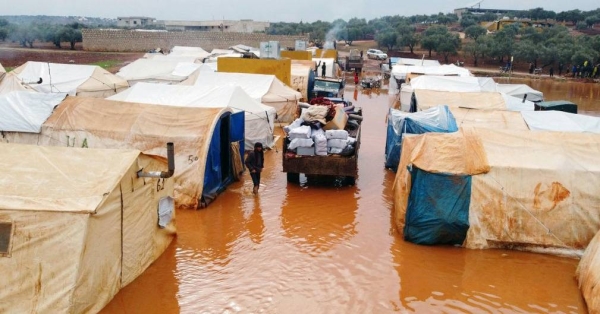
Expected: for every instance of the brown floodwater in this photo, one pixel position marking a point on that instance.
(331, 249)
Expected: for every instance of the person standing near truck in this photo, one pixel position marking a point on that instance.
(255, 164)
(323, 69)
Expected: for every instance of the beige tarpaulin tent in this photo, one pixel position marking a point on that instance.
(426, 99)
(100, 123)
(588, 275)
(491, 119)
(301, 71)
(73, 79)
(537, 191)
(77, 225)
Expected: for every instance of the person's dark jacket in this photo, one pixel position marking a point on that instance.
(255, 160)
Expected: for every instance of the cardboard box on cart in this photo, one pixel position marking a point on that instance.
(339, 120)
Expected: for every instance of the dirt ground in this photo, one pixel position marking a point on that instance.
(12, 55)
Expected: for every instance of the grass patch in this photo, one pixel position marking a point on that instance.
(107, 64)
(8, 69)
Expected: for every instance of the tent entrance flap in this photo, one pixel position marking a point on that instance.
(218, 173)
(438, 208)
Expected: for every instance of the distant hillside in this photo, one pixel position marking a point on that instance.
(61, 20)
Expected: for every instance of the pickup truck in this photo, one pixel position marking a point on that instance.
(331, 166)
(354, 61)
(328, 87)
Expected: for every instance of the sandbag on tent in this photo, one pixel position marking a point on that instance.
(259, 118)
(202, 137)
(161, 70)
(77, 225)
(436, 119)
(519, 91)
(265, 88)
(27, 111)
(73, 79)
(588, 275)
(425, 99)
(541, 191)
(561, 121)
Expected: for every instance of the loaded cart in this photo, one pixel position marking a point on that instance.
(323, 141)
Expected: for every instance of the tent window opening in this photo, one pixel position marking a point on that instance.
(5, 238)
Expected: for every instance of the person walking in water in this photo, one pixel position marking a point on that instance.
(255, 164)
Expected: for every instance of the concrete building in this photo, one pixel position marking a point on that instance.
(135, 21)
(480, 11)
(241, 26)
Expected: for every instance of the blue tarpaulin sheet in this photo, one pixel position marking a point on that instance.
(437, 119)
(438, 208)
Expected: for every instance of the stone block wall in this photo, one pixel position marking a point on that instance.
(131, 40)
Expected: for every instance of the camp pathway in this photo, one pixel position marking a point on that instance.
(328, 249)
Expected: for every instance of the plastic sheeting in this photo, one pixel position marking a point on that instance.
(73, 79)
(588, 275)
(491, 119)
(265, 88)
(259, 118)
(436, 119)
(85, 226)
(561, 121)
(26, 111)
(438, 208)
(540, 191)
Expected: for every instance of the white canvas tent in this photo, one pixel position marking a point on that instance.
(259, 118)
(401, 72)
(426, 99)
(537, 191)
(77, 225)
(73, 79)
(101, 123)
(446, 84)
(160, 70)
(267, 89)
(561, 121)
(588, 275)
(27, 111)
(520, 90)
(186, 51)
(417, 62)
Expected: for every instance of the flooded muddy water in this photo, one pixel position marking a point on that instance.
(327, 249)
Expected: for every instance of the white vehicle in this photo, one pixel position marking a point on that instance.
(376, 54)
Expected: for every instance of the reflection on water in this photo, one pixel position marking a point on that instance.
(332, 249)
(585, 95)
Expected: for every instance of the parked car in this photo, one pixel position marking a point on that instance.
(376, 54)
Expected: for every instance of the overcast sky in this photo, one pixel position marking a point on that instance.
(271, 10)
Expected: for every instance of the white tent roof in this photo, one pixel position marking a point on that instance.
(22, 111)
(400, 71)
(207, 96)
(473, 100)
(67, 78)
(159, 56)
(418, 62)
(196, 52)
(519, 90)
(258, 86)
(561, 121)
(450, 83)
(158, 70)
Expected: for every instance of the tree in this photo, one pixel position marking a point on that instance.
(474, 31)
(448, 45)
(3, 33)
(407, 36)
(387, 38)
(591, 20)
(488, 17)
(432, 37)
(71, 35)
(467, 21)
(572, 16)
(478, 48)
